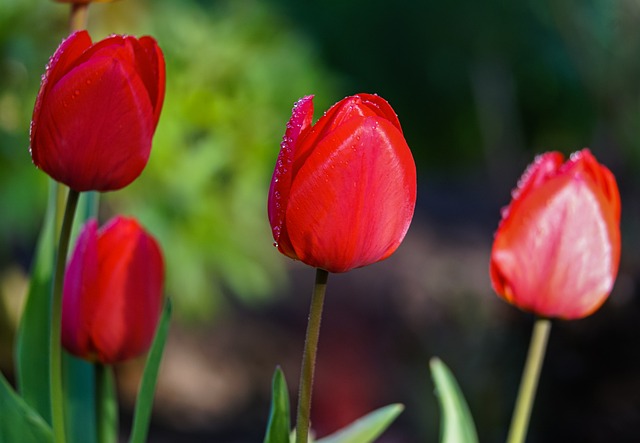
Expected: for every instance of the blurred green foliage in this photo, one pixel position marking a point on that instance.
(234, 70)
(25, 45)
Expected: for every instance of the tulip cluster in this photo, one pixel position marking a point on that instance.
(92, 128)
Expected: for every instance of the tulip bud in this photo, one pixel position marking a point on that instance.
(557, 249)
(96, 111)
(343, 190)
(112, 295)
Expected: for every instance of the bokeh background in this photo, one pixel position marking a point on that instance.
(480, 88)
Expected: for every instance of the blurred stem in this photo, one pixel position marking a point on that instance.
(57, 400)
(309, 356)
(106, 404)
(61, 201)
(529, 382)
(78, 16)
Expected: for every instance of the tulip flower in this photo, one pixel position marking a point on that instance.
(557, 249)
(112, 294)
(97, 110)
(343, 190)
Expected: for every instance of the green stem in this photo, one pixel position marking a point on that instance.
(529, 382)
(309, 356)
(61, 202)
(78, 16)
(57, 400)
(106, 404)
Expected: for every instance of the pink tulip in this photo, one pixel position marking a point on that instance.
(557, 249)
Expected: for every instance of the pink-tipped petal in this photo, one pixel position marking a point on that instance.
(556, 252)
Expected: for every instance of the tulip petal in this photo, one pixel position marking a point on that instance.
(62, 60)
(67, 55)
(356, 189)
(151, 67)
(79, 299)
(281, 180)
(356, 106)
(130, 286)
(543, 167)
(381, 108)
(583, 162)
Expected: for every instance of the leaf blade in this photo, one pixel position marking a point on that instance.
(144, 401)
(367, 428)
(32, 341)
(18, 421)
(279, 425)
(456, 423)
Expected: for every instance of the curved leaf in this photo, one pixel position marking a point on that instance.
(366, 429)
(144, 401)
(279, 425)
(32, 341)
(18, 422)
(456, 423)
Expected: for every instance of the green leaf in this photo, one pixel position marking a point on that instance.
(32, 342)
(19, 422)
(279, 425)
(144, 402)
(80, 399)
(456, 423)
(366, 429)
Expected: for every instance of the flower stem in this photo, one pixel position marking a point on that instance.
(78, 16)
(529, 382)
(106, 404)
(309, 356)
(57, 403)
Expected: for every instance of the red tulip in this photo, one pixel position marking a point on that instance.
(557, 249)
(97, 110)
(112, 294)
(343, 190)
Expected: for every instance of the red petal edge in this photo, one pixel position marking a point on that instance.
(301, 117)
(60, 63)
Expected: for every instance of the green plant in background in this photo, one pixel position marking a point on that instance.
(25, 46)
(233, 70)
